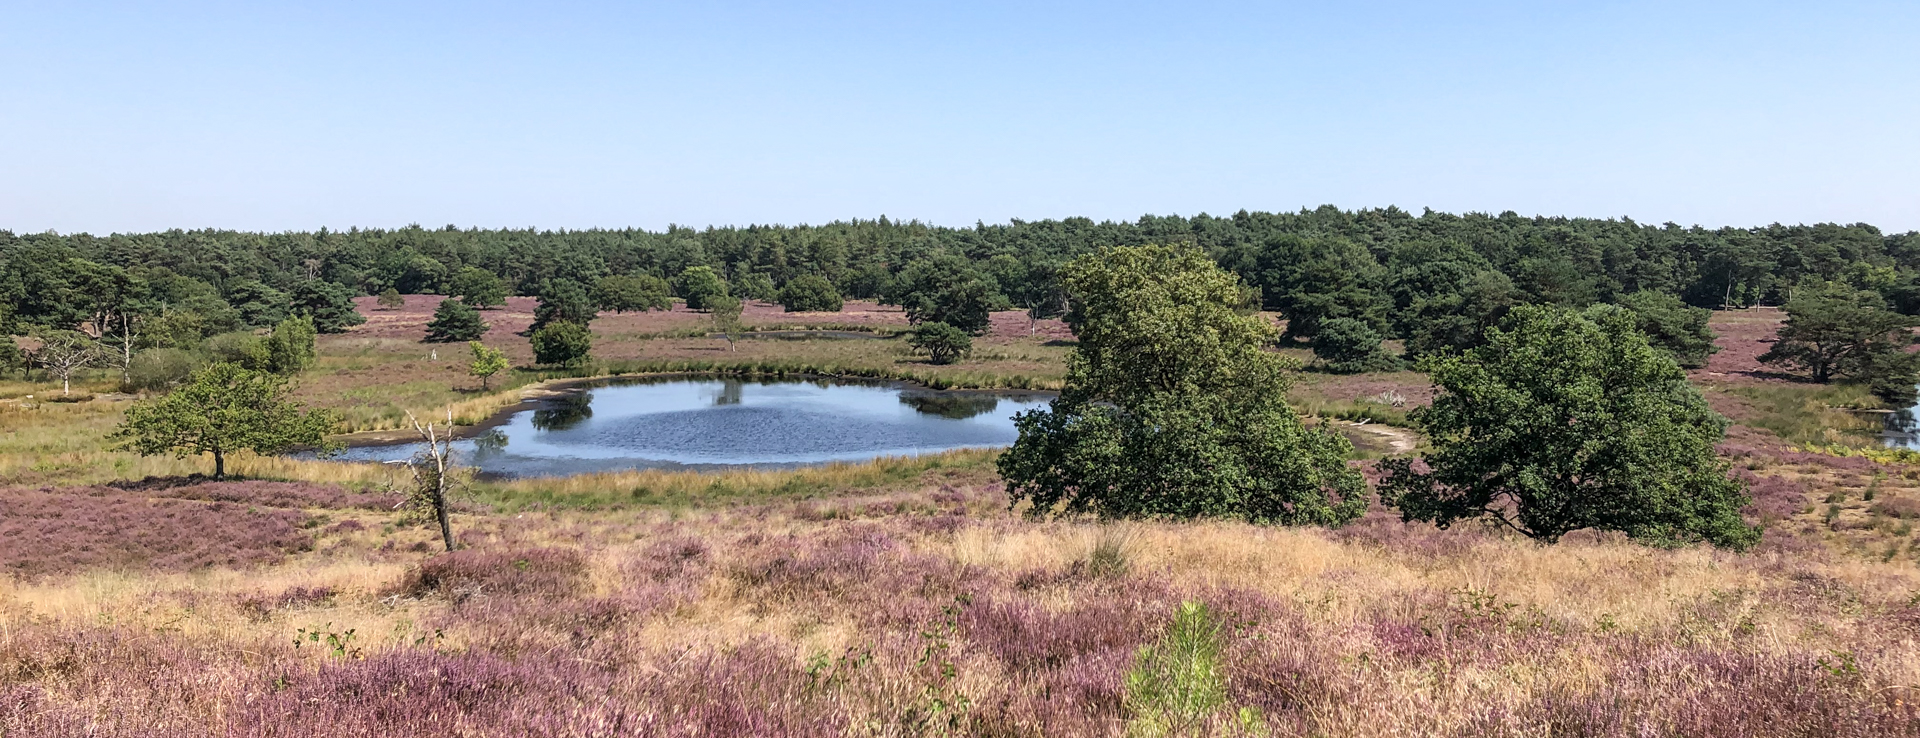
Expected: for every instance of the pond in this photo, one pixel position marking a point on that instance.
(726, 423)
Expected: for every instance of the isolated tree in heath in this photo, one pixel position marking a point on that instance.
(455, 321)
(1174, 408)
(390, 299)
(487, 361)
(1565, 421)
(942, 343)
(563, 344)
(290, 347)
(637, 293)
(810, 293)
(562, 301)
(478, 288)
(222, 409)
(62, 353)
(726, 317)
(698, 284)
(1834, 330)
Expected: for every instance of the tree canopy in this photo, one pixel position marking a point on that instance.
(1173, 407)
(1565, 421)
(810, 293)
(454, 321)
(224, 408)
(1834, 330)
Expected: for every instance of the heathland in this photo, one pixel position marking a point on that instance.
(909, 596)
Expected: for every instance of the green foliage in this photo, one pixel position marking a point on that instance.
(1457, 319)
(157, 369)
(478, 288)
(1178, 685)
(1173, 407)
(1349, 345)
(945, 289)
(1565, 421)
(700, 284)
(726, 316)
(258, 305)
(11, 357)
(290, 347)
(942, 343)
(222, 409)
(562, 344)
(755, 286)
(810, 293)
(455, 321)
(562, 301)
(1834, 330)
(246, 350)
(1311, 281)
(638, 293)
(328, 305)
(390, 299)
(487, 362)
(1672, 327)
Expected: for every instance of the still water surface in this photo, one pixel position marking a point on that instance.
(717, 423)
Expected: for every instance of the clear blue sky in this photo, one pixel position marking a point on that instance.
(574, 115)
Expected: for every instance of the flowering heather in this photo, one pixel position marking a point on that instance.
(259, 492)
(940, 612)
(53, 531)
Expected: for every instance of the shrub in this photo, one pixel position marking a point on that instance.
(1350, 346)
(810, 293)
(47, 532)
(240, 348)
(478, 288)
(549, 572)
(563, 344)
(390, 299)
(159, 369)
(1177, 685)
(943, 344)
(290, 348)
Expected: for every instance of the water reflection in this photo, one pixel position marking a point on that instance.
(957, 407)
(702, 423)
(564, 412)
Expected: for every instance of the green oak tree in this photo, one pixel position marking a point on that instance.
(563, 343)
(222, 409)
(632, 292)
(698, 284)
(1173, 407)
(810, 293)
(942, 343)
(1566, 421)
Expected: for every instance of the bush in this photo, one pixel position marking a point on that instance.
(154, 370)
(1350, 346)
(810, 293)
(241, 348)
(943, 343)
(562, 344)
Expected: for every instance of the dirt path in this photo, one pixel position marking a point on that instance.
(1385, 438)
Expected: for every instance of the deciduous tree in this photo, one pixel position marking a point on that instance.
(563, 343)
(487, 361)
(224, 408)
(1566, 421)
(1173, 407)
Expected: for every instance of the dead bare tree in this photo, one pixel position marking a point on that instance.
(431, 474)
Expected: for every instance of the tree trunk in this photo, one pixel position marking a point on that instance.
(219, 465)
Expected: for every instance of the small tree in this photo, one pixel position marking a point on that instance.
(390, 299)
(726, 317)
(563, 344)
(486, 362)
(621, 293)
(698, 284)
(1349, 346)
(479, 288)
(454, 321)
(62, 353)
(1565, 421)
(967, 306)
(434, 474)
(943, 344)
(329, 305)
(290, 347)
(222, 409)
(810, 293)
